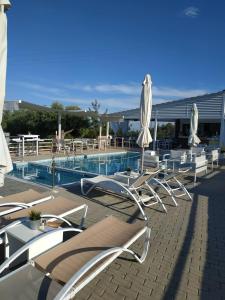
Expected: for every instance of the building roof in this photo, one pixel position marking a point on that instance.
(210, 107)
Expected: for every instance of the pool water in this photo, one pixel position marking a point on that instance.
(72, 169)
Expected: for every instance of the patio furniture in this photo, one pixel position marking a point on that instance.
(55, 209)
(213, 156)
(32, 140)
(63, 271)
(20, 234)
(132, 189)
(171, 184)
(22, 200)
(197, 151)
(175, 157)
(199, 164)
(151, 159)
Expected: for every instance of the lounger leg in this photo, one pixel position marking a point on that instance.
(84, 217)
(156, 196)
(82, 187)
(146, 245)
(163, 185)
(183, 188)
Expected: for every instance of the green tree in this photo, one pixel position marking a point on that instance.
(72, 107)
(57, 105)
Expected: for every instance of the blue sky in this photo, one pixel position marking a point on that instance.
(75, 51)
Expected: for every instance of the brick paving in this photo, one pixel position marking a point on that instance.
(186, 259)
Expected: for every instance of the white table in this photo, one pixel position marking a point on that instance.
(19, 235)
(29, 138)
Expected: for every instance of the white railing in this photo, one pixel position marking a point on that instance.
(68, 146)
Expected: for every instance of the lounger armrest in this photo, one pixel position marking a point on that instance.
(97, 259)
(184, 170)
(166, 156)
(56, 217)
(15, 204)
(24, 248)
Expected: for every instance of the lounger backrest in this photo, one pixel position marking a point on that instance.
(23, 197)
(215, 154)
(143, 178)
(151, 159)
(56, 206)
(177, 154)
(66, 259)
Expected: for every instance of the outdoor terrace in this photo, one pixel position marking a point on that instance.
(186, 258)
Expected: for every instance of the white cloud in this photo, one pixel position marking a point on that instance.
(38, 87)
(134, 89)
(127, 89)
(191, 12)
(114, 97)
(168, 92)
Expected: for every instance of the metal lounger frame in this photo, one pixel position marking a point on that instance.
(50, 217)
(68, 290)
(15, 206)
(124, 192)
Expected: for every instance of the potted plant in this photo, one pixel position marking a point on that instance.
(34, 219)
(128, 172)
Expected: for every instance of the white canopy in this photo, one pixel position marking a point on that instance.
(144, 137)
(193, 139)
(5, 159)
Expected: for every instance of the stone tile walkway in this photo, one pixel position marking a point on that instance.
(187, 253)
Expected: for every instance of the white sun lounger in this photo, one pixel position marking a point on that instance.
(55, 209)
(22, 200)
(134, 191)
(63, 271)
(170, 183)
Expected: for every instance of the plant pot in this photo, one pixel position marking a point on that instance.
(128, 173)
(34, 224)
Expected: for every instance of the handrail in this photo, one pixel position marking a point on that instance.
(16, 204)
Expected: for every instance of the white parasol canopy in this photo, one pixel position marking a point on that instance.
(5, 159)
(193, 139)
(144, 137)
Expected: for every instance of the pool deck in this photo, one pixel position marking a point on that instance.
(186, 259)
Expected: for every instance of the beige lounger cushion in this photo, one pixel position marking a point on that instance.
(23, 197)
(56, 206)
(66, 259)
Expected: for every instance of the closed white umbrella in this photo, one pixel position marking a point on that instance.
(5, 159)
(144, 137)
(193, 139)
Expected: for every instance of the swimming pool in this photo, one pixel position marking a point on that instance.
(71, 169)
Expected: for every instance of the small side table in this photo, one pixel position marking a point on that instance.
(20, 234)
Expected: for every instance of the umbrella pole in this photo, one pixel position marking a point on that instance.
(142, 160)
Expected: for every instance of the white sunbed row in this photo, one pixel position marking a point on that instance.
(59, 273)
